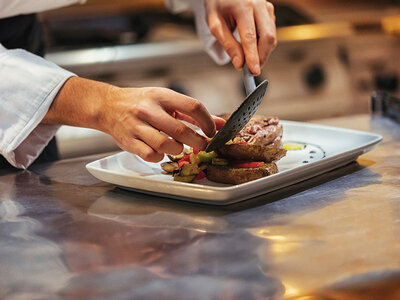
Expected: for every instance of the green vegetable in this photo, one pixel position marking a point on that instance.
(169, 166)
(206, 157)
(189, 169)
(219, 161)
(181, 178)
(194, 159)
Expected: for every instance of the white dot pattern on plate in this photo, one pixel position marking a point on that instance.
(296, 158)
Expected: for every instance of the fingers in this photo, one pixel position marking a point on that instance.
(186, 118)
(157, 141)
(139, 126)
(174, 128)
(172, 101)
(141, 149)
(219, 122)
(221, 30)
(265, 21)
(255, 22)
(248, 37)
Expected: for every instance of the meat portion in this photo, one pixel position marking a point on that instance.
(260, 130)
(248, 152)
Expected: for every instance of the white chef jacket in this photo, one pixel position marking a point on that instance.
(29, 83)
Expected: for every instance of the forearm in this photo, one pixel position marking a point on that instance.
(134, 117)
(79, 103)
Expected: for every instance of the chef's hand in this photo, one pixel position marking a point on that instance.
(255, 21)
(134, 117)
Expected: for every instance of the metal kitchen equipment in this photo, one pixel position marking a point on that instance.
(243, 113)
(384, 104)
(248, 80)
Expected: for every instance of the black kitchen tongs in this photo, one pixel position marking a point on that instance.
(243, 113)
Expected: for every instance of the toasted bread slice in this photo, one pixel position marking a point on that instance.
(230, 175)
(251, 153)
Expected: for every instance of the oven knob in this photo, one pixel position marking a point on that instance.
(314, 76)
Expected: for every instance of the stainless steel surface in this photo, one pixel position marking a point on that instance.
(239, 118)
(79, 141)
(64, 234)
(248, 80)
(116, 58)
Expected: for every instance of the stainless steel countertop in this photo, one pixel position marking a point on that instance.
(65, 234)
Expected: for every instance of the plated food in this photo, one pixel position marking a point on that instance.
(249, 156)
(313, 149)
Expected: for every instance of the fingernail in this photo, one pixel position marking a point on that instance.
(236, 62)
(257, 69)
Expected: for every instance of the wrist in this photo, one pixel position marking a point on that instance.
(79, 103)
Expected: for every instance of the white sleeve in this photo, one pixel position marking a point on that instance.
(28, 85)
(9, 8)
(211, 44)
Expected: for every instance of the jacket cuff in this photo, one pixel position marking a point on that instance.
(28, 85)
(210, 43)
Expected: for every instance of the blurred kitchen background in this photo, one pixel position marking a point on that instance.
(331, 56)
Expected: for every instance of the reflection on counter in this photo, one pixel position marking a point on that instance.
(134, 209)
(64, 234)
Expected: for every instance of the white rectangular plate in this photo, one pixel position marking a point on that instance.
(327, 148)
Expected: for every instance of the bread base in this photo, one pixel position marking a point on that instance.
(230, 175)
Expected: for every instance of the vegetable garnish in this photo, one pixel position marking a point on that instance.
(200, 176)
(293, 146)
(252, 164)
(184, 160)
(239, 143)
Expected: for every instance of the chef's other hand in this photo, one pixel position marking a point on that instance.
(255, 21)
(134, 117)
